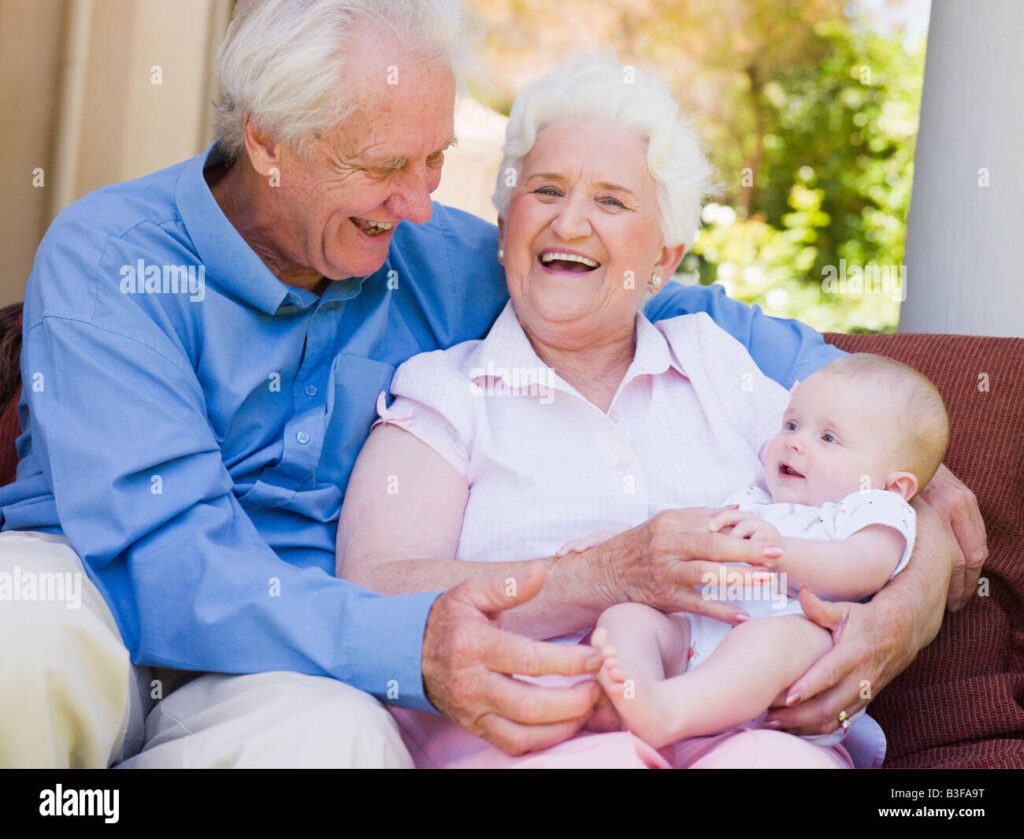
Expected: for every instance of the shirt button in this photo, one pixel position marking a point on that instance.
(622, 465)
(302, 437)
(311, 390)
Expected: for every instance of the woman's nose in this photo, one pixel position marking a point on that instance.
(572, 221)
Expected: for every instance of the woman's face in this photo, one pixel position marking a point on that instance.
(583, 233)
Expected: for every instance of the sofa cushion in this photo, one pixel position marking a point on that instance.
(961, 703)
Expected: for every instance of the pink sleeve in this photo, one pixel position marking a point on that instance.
(431, 400)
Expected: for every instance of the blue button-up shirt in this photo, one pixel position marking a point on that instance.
(190, 421)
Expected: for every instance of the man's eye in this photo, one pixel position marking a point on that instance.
(435, 159)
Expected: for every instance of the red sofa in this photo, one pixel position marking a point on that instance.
(961, 703)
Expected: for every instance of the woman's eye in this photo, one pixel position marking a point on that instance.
(546, 190)
(612, 202)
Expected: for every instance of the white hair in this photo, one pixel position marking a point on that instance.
(285, 62)
(588, 87)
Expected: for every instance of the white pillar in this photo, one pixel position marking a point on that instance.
(965, 234)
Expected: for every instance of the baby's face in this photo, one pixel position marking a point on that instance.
(835, 439)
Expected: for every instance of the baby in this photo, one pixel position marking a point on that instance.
(859, 439)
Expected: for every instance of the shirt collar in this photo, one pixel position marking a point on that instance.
(506, 353)
(228, 258)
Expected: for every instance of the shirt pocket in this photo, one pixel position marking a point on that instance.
(351, 410)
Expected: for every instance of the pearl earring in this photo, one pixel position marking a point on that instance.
(501, 255)
(655, 282)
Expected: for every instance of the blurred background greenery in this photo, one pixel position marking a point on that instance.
(808, 110)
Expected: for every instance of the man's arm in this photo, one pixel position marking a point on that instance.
(119, 427)
(785, 350)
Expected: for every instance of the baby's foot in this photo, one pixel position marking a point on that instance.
(642, 701)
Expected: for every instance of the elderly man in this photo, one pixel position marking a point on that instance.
(203, 348)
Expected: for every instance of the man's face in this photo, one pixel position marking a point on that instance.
(337, 212)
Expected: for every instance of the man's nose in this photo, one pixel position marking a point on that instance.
(411, 199)
(572, 221)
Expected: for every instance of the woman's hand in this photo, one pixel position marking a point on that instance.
(468, 664)
(663, 561)
(873, 642)
(961, 518)
(744, 525)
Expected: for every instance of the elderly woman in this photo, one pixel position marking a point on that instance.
(575, 414)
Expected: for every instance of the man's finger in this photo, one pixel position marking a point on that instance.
(516, 739)
(491, 592)
(522, 702)
(507, 652)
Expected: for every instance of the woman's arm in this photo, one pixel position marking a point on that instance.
(874, 642)
(399, 532)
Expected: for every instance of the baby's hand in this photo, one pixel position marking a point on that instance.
(744, 525)
(585, 543)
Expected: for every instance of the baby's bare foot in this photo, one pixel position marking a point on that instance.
(641, 700)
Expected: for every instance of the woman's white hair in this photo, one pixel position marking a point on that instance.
(588, 87)
(285, 62)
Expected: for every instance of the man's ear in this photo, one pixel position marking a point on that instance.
(903, 483)
(264, 153)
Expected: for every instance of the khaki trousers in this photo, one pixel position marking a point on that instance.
(71, 698)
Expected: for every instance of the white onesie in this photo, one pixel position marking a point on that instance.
(829, 521)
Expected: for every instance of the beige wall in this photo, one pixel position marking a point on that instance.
(93, 92)
(79, 100)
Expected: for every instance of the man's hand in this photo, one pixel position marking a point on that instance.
(468, 662)
(961, 518)
(872, 645)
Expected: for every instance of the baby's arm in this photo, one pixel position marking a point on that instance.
(842, 569)
(845, 569)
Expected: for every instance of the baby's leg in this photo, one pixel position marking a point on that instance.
(740, 679)
(650, 647)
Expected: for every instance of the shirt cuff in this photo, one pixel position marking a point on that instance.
(386, 658)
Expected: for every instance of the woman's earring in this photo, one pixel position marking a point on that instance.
(655, 282)
(501, 256)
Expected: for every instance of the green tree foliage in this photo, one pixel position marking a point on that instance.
(809, 116)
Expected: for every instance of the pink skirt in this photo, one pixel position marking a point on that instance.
(435, 742)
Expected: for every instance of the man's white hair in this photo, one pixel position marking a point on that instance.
(587, 87)
(286, 62)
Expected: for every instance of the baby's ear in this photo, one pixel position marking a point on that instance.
(903, 483)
